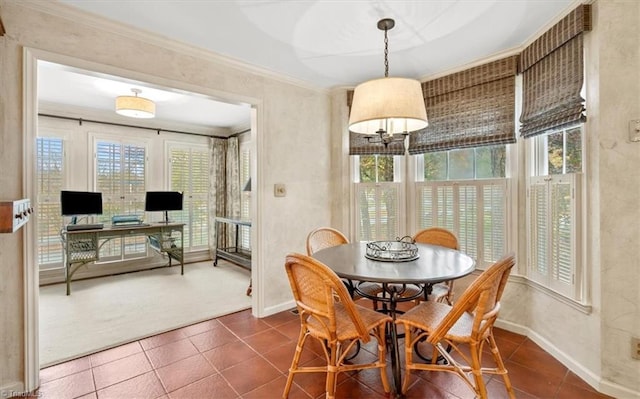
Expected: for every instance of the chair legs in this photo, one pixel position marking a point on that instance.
(473, 367)
(335, 355)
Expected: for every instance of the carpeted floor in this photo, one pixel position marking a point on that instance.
(105, 312)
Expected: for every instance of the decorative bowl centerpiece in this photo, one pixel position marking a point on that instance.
(401, 250)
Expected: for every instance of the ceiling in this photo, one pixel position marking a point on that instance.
(322, 43)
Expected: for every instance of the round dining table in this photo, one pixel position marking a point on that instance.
(400, 280)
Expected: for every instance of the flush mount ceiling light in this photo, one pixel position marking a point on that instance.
(134, 106)
(387, 108)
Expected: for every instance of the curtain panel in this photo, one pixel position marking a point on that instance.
(232, 200)
(217, 192)
(471, 108)
(553, 75)
(359, 143)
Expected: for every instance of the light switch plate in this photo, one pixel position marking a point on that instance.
(279, 190)
(634, 130)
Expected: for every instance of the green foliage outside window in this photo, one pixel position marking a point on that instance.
(376, 168)
(471, 163)
(564, 151)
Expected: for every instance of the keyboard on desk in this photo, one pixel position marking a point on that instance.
(92, 226)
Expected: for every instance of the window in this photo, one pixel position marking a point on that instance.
(120, 176)
(50, 180)
(378, 200)
(553, 203)
(189, 173)
(465, 191)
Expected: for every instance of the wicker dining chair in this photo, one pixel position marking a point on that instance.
(328, 314)
(468, 322)
(326, 237)
(440, 292)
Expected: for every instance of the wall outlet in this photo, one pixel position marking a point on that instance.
(634, 130)
(635, 348)
(279, 190)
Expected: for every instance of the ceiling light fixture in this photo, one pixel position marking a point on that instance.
(388, 109)
(134, 106)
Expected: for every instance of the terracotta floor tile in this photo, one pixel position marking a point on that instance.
(448, 382)
(497, 390)
(234, 317)
(281, 318)
(172, 352)
(573, 379)
(116, 353)
(275, 389)
(213, 386)
(184, 372)
(421, 389)
(64, 369)
(570, 391)
(537, 359)
(246, 327)
(199, 328)
(120, 370)
(266, 340)
(229, 355)
(533, 382)
(241, 357)
(351, 388)
(212, 339)
(282, 356)
(291, 329)
(143, 386)
(162, 339)
(261, 372)
(71, 386)
(91, 395)
(508, 335)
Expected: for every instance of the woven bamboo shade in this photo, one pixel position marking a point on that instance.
(553, 76)
(471, 108)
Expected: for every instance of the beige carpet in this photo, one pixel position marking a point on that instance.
(108, 311)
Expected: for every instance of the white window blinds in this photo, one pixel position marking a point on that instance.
(475, 210)
(189, 173)
(553, 230)
(50, 180)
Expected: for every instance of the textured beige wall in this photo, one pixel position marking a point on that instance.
(617, 172)
(293, 124)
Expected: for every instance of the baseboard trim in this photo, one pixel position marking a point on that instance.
(268, 311)
(594, 380)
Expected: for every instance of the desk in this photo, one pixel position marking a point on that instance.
(83, 246)
(434, 265)
(232, 253)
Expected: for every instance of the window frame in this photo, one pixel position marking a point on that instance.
(536, 171)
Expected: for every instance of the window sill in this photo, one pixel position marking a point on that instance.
(579, 306)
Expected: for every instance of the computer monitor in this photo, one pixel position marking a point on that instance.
(79, 203)
(163, 201)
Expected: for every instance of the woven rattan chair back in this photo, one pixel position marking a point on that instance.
(324, 237)
(437, 236)
(468, 322)
(441, 292)
(328, 314)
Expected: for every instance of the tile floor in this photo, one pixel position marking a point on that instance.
(239, 356)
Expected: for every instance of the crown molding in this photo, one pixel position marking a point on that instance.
(80, 16)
